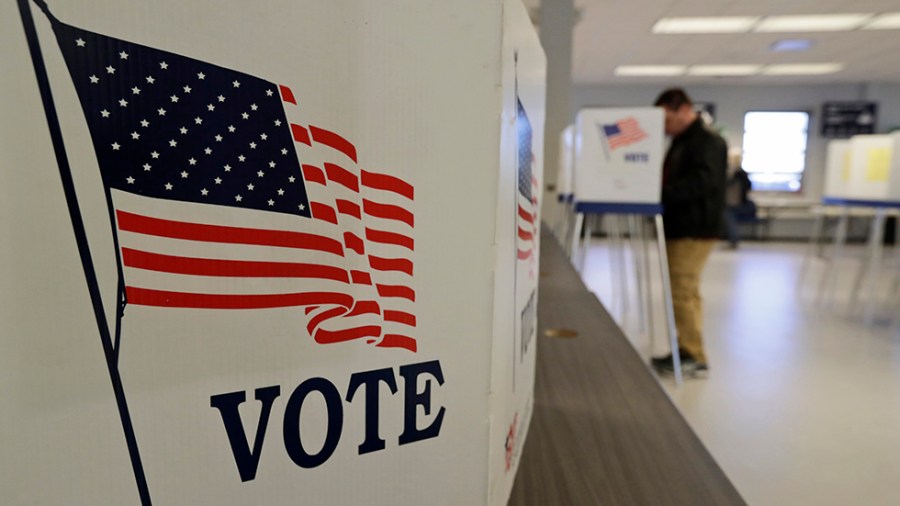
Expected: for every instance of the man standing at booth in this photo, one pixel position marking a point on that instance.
(693, 198)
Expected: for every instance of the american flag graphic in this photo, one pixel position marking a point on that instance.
(623, 133)
(222, 198)
(526, 196)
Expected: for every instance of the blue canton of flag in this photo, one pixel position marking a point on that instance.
(171, 127)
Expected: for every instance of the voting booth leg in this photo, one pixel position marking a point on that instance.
(667, 297)
(639, 273)
(814, 238)
(645, 246)
(865, 266)
(876, 249)
(575, 243)
(828, 276)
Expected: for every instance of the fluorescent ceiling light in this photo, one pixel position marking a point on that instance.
(802, 69)
(887, 21)
(785, 45)
(723, 70)
(649, 70)
(710, 24)
(812, 23)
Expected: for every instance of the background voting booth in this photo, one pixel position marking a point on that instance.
(279, 253)
(618, 156)
(862, 179)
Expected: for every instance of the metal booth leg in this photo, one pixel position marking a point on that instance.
(667, 297)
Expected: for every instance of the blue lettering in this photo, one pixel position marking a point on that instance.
(335, 410)
(247, 461)
(371, 380)
(413, 399)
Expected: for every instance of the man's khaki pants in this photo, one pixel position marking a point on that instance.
(686, 260)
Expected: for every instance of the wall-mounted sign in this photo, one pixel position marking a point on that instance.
(846, 119)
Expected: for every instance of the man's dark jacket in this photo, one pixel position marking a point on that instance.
(693, 190)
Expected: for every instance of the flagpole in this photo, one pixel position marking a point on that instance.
(84, 251)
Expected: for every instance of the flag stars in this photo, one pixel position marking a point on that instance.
(184, 174)
(110, 69)
(291, 179)
(302, 207)
(280, 191)
(130, 180)
(150, 80)
(201, 76)
(218, 138)
(278, 122)
(264, 136)
(272, 165)
(218, 180)
(221, 98)
(231, 128)
(211, 107)
(145, 123)
(271, 202)
(173, 143)
(174, 99)
(192, 161)
(198, 120)
(250, 187)
(252, 145)
(123, 55)
(227, 168)
(104, 113)
(147, 167)
(241, 158)
(135, 135)
(187, 89)
(269, 93)
(135, 91)
(236, 84)
(169, 186)
(238, 197)
(94, 79)
(161, 111)
(116, 146)
(163, 65)
(183, 130)
(253, 107)
(208, 151)
(123, 102)
(80, 42)
(245, 115)
(204, 192)
(154, 155)
(260, 173)
(284, 151)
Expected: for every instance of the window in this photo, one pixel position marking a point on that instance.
(775, 149)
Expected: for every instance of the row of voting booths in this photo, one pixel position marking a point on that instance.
(862, 180)
(610, 166)
(269, 253)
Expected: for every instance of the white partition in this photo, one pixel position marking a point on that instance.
(837, 169)
(269, 253)
(565, 170)
(870, 168)
(619, 155)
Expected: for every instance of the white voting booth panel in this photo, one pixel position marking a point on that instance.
(565, 171)
(274, 253)
(837, 169)
(870, 167)
(618, 155)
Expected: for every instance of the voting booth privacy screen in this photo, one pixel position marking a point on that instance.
(865, 167)
(618, 155)
(272, 253)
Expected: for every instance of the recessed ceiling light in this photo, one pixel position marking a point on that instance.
(812, 23)
(802, 69)
(723, 70)
(709, 24)
(886, 21)
(649, 70)
(785, 45)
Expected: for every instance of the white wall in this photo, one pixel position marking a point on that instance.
(732, 102)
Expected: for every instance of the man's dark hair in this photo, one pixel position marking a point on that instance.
(673, 99)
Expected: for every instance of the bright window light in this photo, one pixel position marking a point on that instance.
(802, 69)
(649, 70)
(709, 24)
(812, 23)
(774, 148)
(723, 70)
(886, 21)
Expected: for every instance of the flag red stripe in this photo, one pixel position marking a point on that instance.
(365, 307)
(313, 174)
(386, 182)
(323, 212)
(333, 140)
(342, 176)
(161, 298)
(397, 341)
(320, 318)
(323, 336)
(399, 291)
(146, 225)
(383, 237)
(300, 134)
(353, 242)
(391, 264)
(525, 215)
(349, 208)
(287, 95)
(400, 317)
(388, 211)
(229, 268)
(360, 278)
